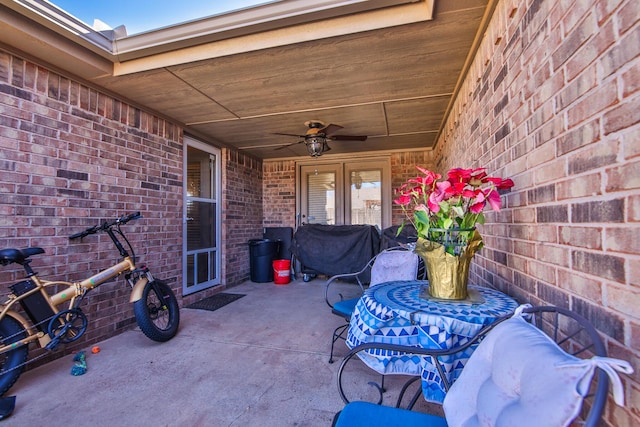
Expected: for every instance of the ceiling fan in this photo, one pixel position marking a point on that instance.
(317, 136)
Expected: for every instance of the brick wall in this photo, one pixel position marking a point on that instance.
(279, 188)
(242, 217)
(553, 100)
(403, 167)
(71, 157)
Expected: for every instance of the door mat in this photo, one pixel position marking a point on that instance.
(216, 301)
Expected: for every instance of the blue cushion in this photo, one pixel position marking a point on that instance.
(371, 415)
(345, 307)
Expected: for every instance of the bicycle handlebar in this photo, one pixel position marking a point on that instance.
(106, 225)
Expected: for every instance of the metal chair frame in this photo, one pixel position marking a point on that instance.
(569, 330)
(359, 278)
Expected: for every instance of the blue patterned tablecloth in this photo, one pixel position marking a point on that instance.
(395, 313)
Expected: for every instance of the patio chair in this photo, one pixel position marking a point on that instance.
(523, 373)
(397, 263)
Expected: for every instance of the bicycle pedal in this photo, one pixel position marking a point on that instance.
(53, 344)
(7, 405)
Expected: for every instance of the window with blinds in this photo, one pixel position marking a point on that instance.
(321, 198)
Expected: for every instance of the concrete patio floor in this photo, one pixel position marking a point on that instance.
(261, 360)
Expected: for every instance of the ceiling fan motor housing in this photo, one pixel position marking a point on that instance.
(314, 132)
(316, 145)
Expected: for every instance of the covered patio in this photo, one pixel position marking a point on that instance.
(544, 92)
(261, 360)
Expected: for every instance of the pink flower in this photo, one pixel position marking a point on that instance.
(458, 201)
(438, 195)
(442, 187)
(459, 175)
(456, 189)
(403, 200)
(494, 200)
(505, 184)
(430, 177)
(433, 203)
(478, 204)
(500, 184)
(470, 194)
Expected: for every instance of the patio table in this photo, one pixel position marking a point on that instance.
(402, 313)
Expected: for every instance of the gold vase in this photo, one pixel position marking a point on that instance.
(448, 274)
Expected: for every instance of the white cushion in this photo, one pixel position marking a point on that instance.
(394, 265)
(518, 377)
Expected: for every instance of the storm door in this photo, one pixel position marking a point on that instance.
(201, 235)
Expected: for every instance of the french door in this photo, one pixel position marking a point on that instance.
(346, 193)
(201, 237)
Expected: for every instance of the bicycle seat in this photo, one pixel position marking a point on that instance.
(7, 256)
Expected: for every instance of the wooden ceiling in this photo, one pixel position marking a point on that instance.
(392, 84)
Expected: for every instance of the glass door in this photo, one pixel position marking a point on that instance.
(322, 193)
(366, 198)
(346, 193)
(201, 255)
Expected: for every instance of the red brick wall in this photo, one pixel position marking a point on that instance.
(242, 216)
(553, 100)
(403, 167)
(279, 187)
(71, 157)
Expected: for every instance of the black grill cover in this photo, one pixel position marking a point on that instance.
(335, 249)
(391, 240)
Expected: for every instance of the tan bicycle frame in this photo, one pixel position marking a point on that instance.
(70, 293)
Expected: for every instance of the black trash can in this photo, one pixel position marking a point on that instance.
(262, 252)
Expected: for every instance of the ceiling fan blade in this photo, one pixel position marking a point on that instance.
(348, 137)
(328, 129)
(288, 145)
(289, 134)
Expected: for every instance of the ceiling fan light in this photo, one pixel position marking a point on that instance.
(315, 146)
(357, 181)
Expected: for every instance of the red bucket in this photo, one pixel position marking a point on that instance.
(281, 271)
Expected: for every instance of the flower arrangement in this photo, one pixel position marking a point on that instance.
(434, 206)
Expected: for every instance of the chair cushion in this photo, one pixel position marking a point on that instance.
(394, 265)
(371, 415)
(345, 307)
(518, 376)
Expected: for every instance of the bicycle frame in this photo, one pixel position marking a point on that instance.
(49, 313)
(71, 292)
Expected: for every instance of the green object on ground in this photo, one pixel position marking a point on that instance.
(80, 366)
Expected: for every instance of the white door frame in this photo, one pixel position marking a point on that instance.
(343, 167)
(214, 276)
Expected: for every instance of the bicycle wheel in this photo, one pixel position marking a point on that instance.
(157, 312)
(12, 362)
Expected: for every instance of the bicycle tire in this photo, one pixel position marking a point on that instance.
(12, 363)
(157, 312)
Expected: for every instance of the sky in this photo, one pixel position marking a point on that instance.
(144, 15)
